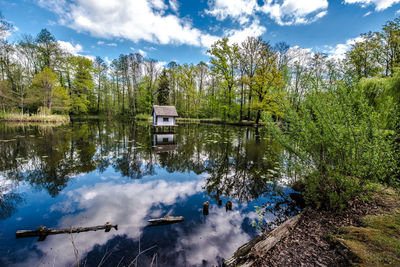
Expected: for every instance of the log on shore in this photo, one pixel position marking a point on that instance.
(246, 254)
(42, 232)
(166, 220)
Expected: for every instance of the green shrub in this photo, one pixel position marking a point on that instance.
(334, 138)
(333, 191)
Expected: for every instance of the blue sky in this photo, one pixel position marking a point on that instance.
(183, 30)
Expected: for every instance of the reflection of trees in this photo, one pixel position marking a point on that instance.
(236, 158)
(8, 202)
(241, 169)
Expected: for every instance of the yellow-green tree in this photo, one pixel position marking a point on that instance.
(224, 64)
(267, 84)
(46, 90)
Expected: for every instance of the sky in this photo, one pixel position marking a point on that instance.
(183, 30)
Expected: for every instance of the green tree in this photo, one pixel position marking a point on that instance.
(163, 89)
(46, 90)
(48, 49)
(224, 63)
(82, 95)
(267, 84)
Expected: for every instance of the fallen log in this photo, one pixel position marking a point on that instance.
(42, 232)
(166, 220)
(245, 255)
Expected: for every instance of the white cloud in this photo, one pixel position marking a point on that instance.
(283, 12)
(100, 42)
(367, 14)
(236, 9)
(289, 12)
(112, 44)
(339, 50)
(379, 4)
(107, 60)
(70, 48)
(134, 20)
(237, 36)
(174, 5)
(143, 53)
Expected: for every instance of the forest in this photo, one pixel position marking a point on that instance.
(338, 117)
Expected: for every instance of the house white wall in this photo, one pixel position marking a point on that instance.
(160, 121)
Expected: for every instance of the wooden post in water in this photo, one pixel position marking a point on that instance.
(205, 208)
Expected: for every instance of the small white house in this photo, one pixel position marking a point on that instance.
(164, 115)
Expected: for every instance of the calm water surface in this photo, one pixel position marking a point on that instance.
(89, 173)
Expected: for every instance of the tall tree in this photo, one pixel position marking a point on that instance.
(100, 68)
(250, 52)
(82, 97)
(267, 82)
(224, 63)
(48, 49)
(163, 88)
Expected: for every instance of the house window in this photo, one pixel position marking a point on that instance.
(165, 140)
(165, 119)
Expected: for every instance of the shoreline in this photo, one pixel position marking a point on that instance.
(36, 118)
(210, 121)
(322, 238)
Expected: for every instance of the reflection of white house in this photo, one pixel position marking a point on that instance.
(164, 142)
(164, 115)
(163, 139)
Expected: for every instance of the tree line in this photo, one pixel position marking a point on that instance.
(240, 82)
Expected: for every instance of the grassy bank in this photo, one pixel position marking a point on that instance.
(377, 241)
(15, 117)
(366, 233)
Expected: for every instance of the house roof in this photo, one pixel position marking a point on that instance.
(168, 111)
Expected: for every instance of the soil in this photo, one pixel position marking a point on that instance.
(310, 243)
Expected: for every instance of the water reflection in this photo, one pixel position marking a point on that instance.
(164, 142)
(86, 174)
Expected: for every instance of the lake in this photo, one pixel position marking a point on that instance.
(92, 172)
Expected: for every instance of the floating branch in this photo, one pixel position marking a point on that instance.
(43, 232)
(166, 220)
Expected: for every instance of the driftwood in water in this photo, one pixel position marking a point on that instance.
(42, 232)
(166, 220)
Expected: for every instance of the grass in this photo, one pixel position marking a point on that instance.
(377, 243)
(17, 117)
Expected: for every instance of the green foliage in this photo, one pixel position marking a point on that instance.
(336, 137)
(259, 222)
(163, 89)
(48, 93)
(82, 96)
(333, 191)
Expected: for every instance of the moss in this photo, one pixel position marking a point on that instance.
(377, 243)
